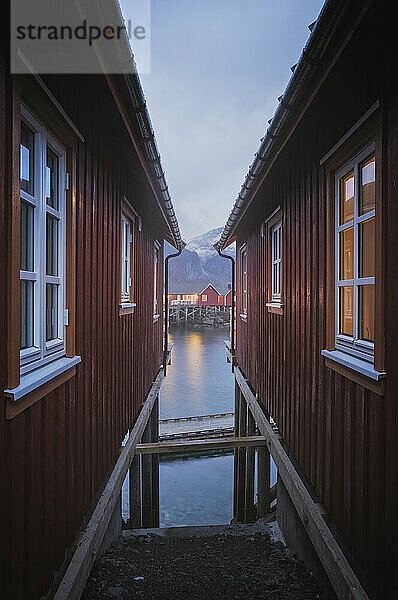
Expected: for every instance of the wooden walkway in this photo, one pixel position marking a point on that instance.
(200, 315)
(198, 426)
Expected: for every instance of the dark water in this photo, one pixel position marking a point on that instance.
(196, 489)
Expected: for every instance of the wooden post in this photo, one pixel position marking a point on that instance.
(155, 464)
(241, 482)
(135, 521)
(250, 513)
(147, 480)
(236, 433)
(263, 482)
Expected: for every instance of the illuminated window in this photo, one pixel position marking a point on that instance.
(204, 298)
(190, 298)
(355, 255)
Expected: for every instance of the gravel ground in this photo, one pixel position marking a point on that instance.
(226, 565)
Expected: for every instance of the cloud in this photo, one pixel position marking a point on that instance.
(217, 70)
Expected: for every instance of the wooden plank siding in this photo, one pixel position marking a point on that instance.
(343, 435)
(56, 454)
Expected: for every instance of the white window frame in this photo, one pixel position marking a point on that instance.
(352, 344)
(243, 256)
(126, 241)
(190, 298)
(276, 265)
(204, 297)
(156, 247)
(43, 351)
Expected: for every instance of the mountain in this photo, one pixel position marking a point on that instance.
(199, 264)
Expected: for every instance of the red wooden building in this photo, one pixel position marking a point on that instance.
(210, 297)
(316, 224)
(228, 298)
(84, 211)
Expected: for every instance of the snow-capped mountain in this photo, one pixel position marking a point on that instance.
(199, 264)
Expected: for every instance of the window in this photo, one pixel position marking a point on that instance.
(41, 261)
(126, 263)
(156, 261)
(190, 298)
(355, 192)
(272, 231)
(243, 262)
(276, 262)
(204, 298)
(127, 236)
(355, 318)
(42, 245)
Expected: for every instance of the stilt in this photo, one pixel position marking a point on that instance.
(135, 493)
(263, 482)
(241, 482)
(250, 513)
(147, 480)
(155, 464)
(236, 433)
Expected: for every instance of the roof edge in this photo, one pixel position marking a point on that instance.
(146, 136)
(312, 56)
(148, 142)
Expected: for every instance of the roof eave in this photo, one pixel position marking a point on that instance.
(307, 76)
(149, 155)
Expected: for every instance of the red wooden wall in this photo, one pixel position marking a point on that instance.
(55, 455)
(212, 297)
(343, 436)
(228, 299)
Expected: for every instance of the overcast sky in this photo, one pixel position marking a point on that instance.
(217, 69)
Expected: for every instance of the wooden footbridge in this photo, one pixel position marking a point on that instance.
(252, 430)
(197, 427)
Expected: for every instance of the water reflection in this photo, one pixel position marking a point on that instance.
(199, 381)
(196, 489)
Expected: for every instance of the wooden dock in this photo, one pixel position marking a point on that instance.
(200, 316)
(197, 427)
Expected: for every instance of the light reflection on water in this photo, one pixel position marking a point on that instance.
(196, 489)
(199, 380)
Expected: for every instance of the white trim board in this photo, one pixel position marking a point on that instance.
(35, 379)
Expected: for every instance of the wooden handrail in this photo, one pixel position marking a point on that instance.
(199, 445)
(342, 577)
(78, 571)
